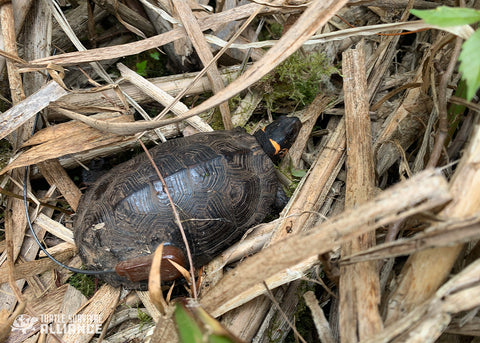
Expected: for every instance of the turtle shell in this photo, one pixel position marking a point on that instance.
(221, 183)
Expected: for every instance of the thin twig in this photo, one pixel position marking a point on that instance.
(442, 107)
(463, 102)
(177, 218)
(393, 230)
(277, 305)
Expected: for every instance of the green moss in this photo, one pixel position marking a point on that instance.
(296, 81)
(144, 318)
(216, 122)
(84, 283)
(234, 102)
(272, 30)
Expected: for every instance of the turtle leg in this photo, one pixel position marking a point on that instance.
(281, 199)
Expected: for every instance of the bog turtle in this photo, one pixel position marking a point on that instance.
(221, 182)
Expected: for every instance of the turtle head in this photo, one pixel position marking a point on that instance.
(277, 137)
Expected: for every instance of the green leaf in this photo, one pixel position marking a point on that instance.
(470, 63)
(188, 329)
(141, 68)
(299, 173)
(155, 55)
(448, 16)
(194, 325)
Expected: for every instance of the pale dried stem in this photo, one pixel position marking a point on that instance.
(321, 324)
(423, 191)
(162, 97)
(15, 219)
(429, 268)
(359, 287)
(437, 235)
(290, 324)
(202, 48)
(430, 318)
(98, 54)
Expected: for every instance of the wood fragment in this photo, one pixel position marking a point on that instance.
(321, 323)
(67, 138)
(55, 228)
(26, 109)
(50, 302)
(56, 175)
(359, 287)
(27, 269)
(101, 305)
(58, 249)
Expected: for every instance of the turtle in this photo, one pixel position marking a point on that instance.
(222, 183)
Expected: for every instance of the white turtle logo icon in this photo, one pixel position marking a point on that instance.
(24, 322)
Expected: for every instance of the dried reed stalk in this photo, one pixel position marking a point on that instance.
(424, 191)
(15, 219)
(426, 270)
(359, 288)
(194, 32)
(237, 13)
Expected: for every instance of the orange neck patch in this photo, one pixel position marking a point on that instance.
(275, 145)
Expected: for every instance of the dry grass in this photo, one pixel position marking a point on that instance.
(382, 246)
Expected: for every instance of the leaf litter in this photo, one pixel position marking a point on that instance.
(395, 246)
